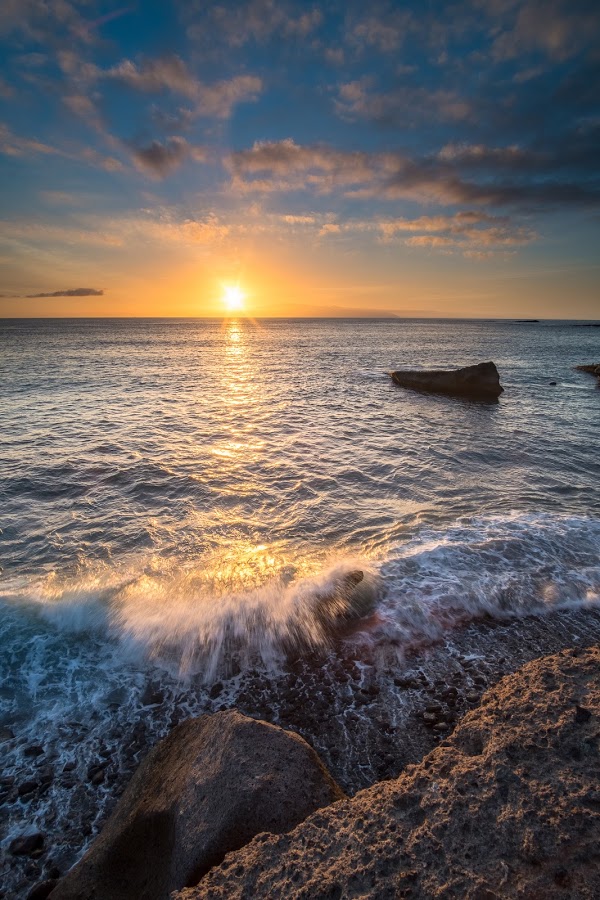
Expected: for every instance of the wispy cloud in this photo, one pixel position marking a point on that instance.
(72, 292)
(557, 28)
(17, 145)
(255, 20)
(172, 74)
(407, 105)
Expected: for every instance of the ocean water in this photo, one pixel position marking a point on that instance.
(178, 497)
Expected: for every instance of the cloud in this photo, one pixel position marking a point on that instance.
(289, 165)
(37, 19)
(466, 231)
(16, 145)
(172, 74)
(13, 145)
(61, 198)
(160, 159)
(257, 20)
(383, 32)
(557, 28)
(458, 175)
(73, 292)
(406, 105)
(118, 233)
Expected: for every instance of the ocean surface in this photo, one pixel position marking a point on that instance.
(178, 496)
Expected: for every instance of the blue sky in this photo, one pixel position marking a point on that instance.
(422, 159)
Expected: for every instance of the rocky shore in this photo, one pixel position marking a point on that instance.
(368, 717)
(508, 806)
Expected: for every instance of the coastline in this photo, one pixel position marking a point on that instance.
(365, 725)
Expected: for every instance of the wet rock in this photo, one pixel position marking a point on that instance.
(216, 690)
(582, 715)
(152, 696)
(42, 889)
(26, 788)
(26, 844)
(95, 772)
(6, 734)
(480, 381)
(203, 791)
(351, 598)
(33, 750)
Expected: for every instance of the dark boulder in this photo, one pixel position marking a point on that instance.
(351, 598)
(593, 369)
(205, 790)
(481, 381)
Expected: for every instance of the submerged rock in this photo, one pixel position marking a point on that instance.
(508, 806)
(481, 381)
(208, 788)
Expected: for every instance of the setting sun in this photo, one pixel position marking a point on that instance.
(233, 298)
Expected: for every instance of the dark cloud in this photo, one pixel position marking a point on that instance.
(73, 292)
(160, 159)
(523, 179)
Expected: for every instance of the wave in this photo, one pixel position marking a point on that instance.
(497, 567)
(248, 609)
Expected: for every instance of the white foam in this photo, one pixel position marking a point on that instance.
(500, 566)
(256, 608)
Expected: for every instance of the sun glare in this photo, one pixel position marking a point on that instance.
(233, 298)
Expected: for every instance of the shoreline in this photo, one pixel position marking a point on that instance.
(365, 719)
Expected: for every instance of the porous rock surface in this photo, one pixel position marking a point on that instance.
(508, 806)
(206, 789)
(481, 381)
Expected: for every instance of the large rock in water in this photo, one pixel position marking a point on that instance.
(593, 369)
(206, 789)
(507, 807)
(480, 381)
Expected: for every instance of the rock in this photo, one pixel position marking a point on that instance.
(205, 790)
(352, 598)
(593, 369)
(152, 696)
(500, 809)
(6, 734)
(33, 750)
(481, 381)
(42, 889)
(26, 844)
(552, 383)
(27, 787)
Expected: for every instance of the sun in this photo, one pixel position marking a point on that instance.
(233, 298)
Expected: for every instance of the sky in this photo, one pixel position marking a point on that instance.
(282, 158)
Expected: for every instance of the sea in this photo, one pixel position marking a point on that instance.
(178, 497)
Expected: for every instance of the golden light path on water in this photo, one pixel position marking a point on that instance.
(248, 591)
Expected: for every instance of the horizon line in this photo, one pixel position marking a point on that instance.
(391, 317)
